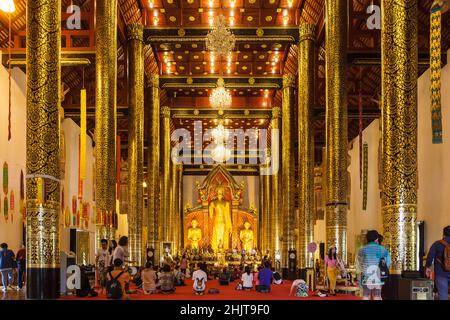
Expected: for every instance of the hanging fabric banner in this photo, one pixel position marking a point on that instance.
(5, 209)
(23, 209)
(83, 135)
(365, 175)
(360, 127)
(435, 72)
(80, 180)
(11, 205)
(5, 178)
(118, 153)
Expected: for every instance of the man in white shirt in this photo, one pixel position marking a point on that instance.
(102, 259)
(200, 277)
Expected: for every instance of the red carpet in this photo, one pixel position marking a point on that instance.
(279, 292)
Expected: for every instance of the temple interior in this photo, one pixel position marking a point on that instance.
(226, 132)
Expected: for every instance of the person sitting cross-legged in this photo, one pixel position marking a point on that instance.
(200, 277)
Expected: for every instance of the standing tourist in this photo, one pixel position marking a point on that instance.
(6, 266)
(331, 262)
(21, 266)
(102, 259)
(370, 258)
(112, 248)
(183, 264)
(121, 252)
(439, 255)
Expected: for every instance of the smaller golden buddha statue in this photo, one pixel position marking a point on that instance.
(246, 236)
(194, 234)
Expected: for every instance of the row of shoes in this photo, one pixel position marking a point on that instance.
(5, 289)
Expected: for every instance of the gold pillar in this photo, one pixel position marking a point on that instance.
(399, 131)
(105, 110)
(336, 124)
(173, 205)
(275, 214)
(43, 170)
(135, 141)
(153, 154)
(262, 204)
(165, 223)
(267, 213)
(306, 70)
(179, 208)
(288, 167)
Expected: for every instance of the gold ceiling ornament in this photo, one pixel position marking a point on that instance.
(259, 32)
(220, 39)
(181, 32)
(251, 81)
(189, 80)
(220, 98)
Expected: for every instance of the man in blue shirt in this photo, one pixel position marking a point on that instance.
(265, 278)
(6, 266)
(436, 256)
(369, 258)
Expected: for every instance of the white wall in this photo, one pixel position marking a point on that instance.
(433, 171)
(13, 151)
(433, 161)
(357, 218)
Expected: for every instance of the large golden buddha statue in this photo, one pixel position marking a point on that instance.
(194, 234)
(246, 237)
(220, 215)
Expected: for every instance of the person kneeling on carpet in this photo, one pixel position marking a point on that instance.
(225, 277)
(179, 277)
(200, 277)
(265, 276)
(118, 280)
(247, 279)
(149, 279)
(167, 280)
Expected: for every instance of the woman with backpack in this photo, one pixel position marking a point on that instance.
(117, 282)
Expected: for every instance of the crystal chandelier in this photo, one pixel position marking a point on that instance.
(220, 39)
(220, 98)
(220, 153)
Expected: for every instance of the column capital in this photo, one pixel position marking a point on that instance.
(135, 31)
(152, 81)
(165, 112)
(276, 112)
(307, 31)
(288, 80)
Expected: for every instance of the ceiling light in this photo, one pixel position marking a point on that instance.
(220, 39)
(220, 98)
(7, 6)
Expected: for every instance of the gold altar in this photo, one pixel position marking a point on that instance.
(219, 222)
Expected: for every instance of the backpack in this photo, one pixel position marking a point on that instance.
(384, 269)
(445, 263)
(302, 289)
(113, 287)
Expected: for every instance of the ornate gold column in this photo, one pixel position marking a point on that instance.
(179, 208)
(306, 74)
(105, 111)
(262, 210)
(173, 232)
(336, 124)
(275, 214)
(43, 170)
(165, 223)
(135, 33)
(399, 128)
(288, 167)
(153, 154)
(268, 211)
